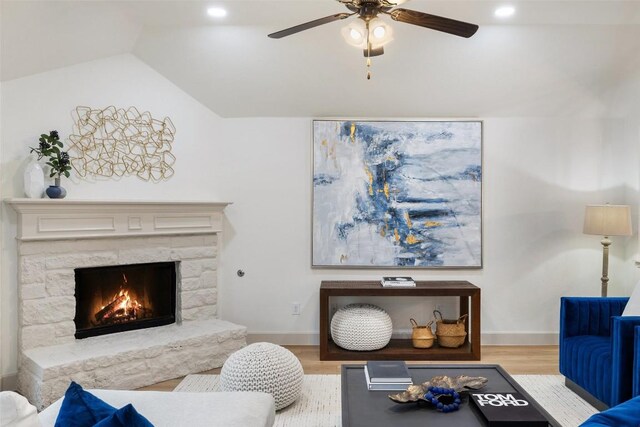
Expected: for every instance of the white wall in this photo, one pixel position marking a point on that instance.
(624, 136)
(538, 175)
(2, 333)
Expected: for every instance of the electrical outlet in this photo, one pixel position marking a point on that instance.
(295, 308)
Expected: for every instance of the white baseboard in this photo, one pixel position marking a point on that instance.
(9, 382)
(489, 338)
(520, 338)
(284, 338)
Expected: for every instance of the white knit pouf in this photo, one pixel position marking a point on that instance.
(361, 327)
(264, 367)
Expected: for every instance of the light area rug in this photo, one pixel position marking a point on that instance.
(319, 405)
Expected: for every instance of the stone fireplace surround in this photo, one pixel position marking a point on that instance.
(56, 236)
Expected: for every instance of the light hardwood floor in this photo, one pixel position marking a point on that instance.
(517, 360)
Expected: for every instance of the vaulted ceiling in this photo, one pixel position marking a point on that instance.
(552, 58)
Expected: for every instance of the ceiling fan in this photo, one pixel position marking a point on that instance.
(368, 11)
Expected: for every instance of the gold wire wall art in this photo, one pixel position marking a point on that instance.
(114, 142)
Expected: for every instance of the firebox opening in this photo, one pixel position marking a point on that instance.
(124, 297)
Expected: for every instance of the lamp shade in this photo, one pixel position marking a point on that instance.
(608, 220)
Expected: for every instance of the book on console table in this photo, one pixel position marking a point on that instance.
(397, 281)
(507, 410)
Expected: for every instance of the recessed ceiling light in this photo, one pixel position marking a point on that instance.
(216, 12)
(505, 11)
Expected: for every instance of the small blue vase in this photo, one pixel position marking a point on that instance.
(56, 191)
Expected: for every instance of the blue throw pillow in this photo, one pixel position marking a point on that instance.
(127, 416)
(81, 408)
(626, 414)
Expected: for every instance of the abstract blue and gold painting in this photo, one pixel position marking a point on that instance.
(397, 194)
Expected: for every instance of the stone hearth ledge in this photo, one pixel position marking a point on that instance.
(128, 360)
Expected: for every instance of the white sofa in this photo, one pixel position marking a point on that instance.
(215, 409)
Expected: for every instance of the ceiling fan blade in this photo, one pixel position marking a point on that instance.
(439, 23)
(308, 25)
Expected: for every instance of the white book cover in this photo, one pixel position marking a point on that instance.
(385, 386)
(397, 282)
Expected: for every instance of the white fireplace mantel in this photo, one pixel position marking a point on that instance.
(57, 237)
(55, 219)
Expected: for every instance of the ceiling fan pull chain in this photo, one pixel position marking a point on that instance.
(368, 52)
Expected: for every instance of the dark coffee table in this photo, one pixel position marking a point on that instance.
(361, 407)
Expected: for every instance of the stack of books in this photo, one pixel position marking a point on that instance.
(391, 282)
(391, 375)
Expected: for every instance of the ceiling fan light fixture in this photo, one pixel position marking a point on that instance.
(379, 32)
(355, 34)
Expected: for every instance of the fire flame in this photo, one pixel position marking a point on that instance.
(127, 305)
(122, 306)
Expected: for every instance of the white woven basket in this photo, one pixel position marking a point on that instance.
(264, 367)
(361, 327)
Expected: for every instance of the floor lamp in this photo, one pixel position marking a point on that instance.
(607, 220)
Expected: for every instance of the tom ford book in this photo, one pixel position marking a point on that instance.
(508, 410)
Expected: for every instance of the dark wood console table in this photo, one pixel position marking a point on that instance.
(401, 349)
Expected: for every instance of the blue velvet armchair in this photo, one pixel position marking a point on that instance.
(636, 364)
(597, 349)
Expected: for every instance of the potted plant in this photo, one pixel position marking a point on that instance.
(50, 146)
